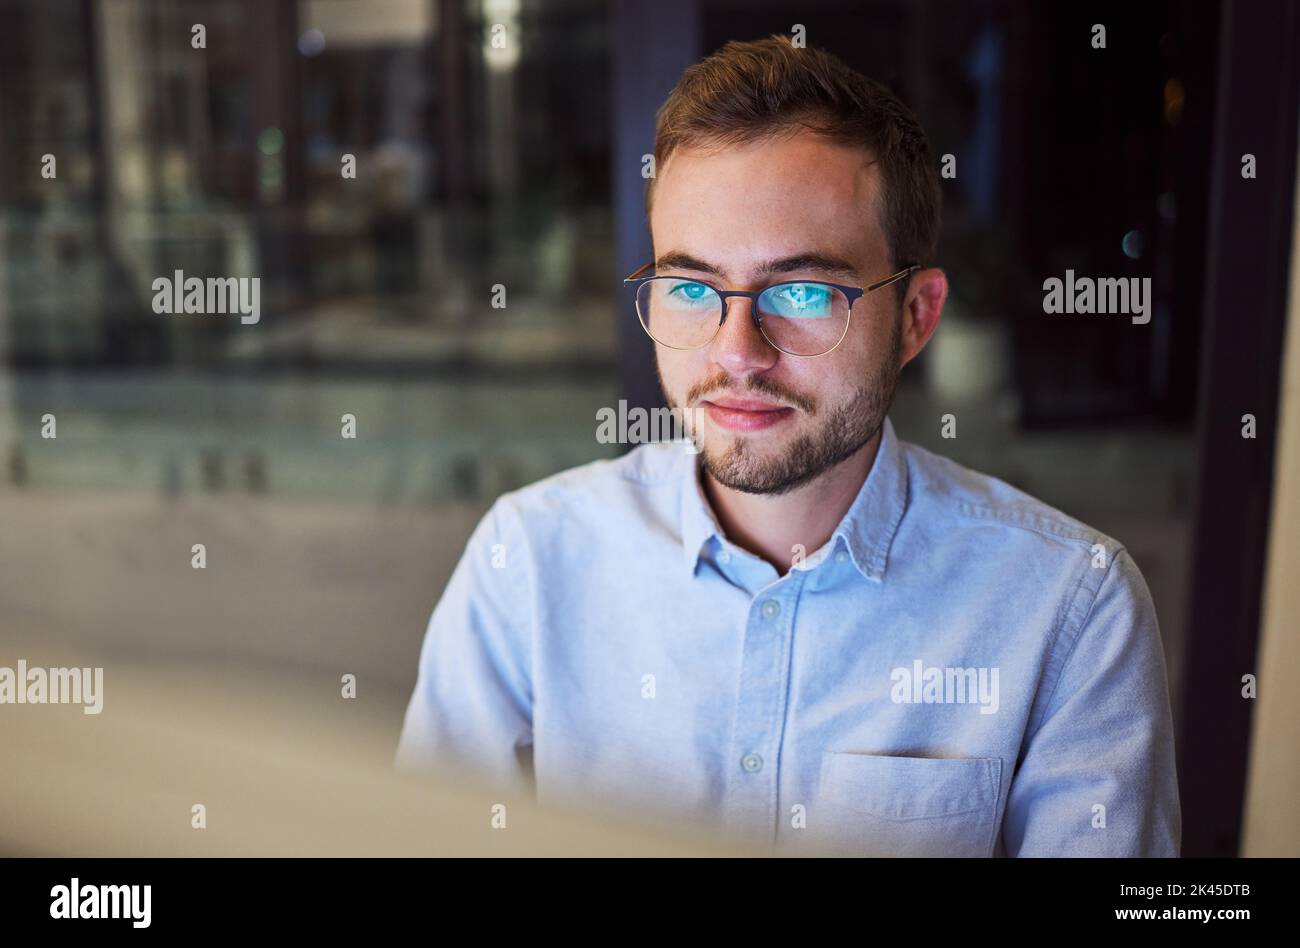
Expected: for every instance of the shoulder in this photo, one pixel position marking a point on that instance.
(963, 499)
(1023, 543)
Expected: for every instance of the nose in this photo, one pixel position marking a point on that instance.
(739, 347)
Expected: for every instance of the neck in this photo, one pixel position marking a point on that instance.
(771, 526)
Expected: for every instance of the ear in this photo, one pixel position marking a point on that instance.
(926, 292)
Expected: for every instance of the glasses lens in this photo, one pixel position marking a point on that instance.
(680, 313)
(804, 318)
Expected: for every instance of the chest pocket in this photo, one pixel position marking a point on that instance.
(872, 805)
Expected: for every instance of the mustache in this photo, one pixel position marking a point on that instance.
(756, 385)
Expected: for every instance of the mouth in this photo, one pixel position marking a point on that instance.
(746, 414)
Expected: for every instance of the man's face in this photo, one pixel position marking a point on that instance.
(736, 210)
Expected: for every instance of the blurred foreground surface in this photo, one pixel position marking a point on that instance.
(284, 766)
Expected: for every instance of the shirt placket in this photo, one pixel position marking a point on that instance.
(754, 755)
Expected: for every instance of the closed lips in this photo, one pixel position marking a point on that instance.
(746, 405)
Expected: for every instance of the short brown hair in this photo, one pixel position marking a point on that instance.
(750, 91)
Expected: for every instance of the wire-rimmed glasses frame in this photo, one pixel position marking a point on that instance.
(851, 293)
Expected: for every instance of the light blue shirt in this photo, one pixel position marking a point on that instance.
(961, 670)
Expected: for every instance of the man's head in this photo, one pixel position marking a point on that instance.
(775, 164)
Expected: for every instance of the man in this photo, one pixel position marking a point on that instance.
(810, 635)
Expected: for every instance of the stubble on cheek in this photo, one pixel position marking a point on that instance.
(772, 463)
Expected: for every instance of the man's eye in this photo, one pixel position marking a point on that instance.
(690, 292)
(796, 299)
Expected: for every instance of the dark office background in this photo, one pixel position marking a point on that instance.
(521, 167)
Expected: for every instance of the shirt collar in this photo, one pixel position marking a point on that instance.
(867, 528)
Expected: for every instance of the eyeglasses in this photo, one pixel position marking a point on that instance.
(801, 317)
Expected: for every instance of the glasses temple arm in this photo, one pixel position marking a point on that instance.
(906, 271)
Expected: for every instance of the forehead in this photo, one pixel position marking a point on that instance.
(763, 199)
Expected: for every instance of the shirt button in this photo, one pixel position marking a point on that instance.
(841, 557)
(771, 609)
(724, 556)
(752, 762)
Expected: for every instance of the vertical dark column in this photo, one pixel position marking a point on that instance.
(15, 75)
(652, 44)
(1249, 236)
(275, 80)
(453, 135)
(451, 72)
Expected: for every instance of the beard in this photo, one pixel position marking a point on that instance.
(741, 464)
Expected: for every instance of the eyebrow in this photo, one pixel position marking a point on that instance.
(823, 263)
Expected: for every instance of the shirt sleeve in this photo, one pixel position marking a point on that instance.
(470, 715)
(1096, 776)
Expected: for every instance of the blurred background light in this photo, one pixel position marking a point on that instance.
(1175, 99)
(1132, 244)
(270, 141)
(311, 42)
